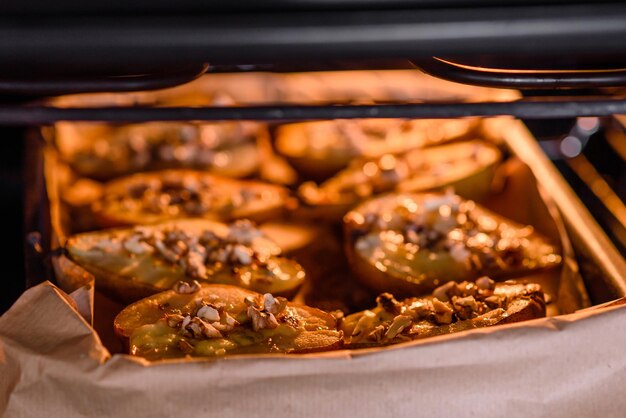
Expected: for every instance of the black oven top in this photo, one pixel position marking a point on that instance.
(44, 39)
(153, 7)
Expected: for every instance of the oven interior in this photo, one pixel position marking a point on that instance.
(565, 57)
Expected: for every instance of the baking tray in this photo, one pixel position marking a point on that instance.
(536, 208)
(499, 371)
(601, 264)
(509, 370)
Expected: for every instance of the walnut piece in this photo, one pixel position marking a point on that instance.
(445, 291)
(363, 324)
(260, 319)
(174, 320)
(208, 313)
(398, 325)
(465, 307)
(274, 305)
(185, 288)
(485, 283)
(200, 328)
(443, 312)
(388, 303)
(378, 334)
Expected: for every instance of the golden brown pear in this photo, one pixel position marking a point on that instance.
(218, 320)
(131, 263)
(408, 244)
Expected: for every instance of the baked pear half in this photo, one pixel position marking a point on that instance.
(132, 263)
(146, 198)
(451, 308)
(408, 244)
(217, 320)
(320, 149)
(468, 167)
(102, 152)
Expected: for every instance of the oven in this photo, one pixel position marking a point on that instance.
(558, 68)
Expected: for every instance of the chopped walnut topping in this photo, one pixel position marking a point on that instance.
(443, 292)
(274, 305)
(448, 224)
(185, 288)
(421, 308)
(244, 232)
(209, 319)
(398, 324)
(202, 253)
(181, 193)
(166, 253)
(229, 320)
(388, 303)
(242, 254)
(264, 317)
(261, 320)
(200, 328)
(186, 321)
(442, 312)
(494, 301)
(398, 321)
(465, 308)
(174, 320)
(208, 313)
(485, 283)
(194, 262)
(364, 323)
(378, 334)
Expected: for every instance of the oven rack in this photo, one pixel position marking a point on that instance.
(527, 108)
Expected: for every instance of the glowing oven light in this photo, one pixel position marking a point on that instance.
(571, 146)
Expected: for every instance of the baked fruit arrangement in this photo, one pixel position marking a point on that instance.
(381, 239)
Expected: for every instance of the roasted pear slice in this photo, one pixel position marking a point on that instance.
(320, 149)
(102, 151)
(409, 243)
(218, 320)
(146, 198)
(136, 262)
(467, 167)
(452, 307)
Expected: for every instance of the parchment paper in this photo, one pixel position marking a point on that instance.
(52, 364)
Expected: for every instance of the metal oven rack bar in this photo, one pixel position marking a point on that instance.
(526, 109)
